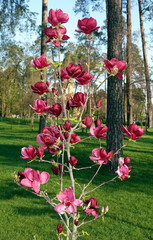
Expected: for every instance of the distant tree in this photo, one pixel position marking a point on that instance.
(147, 76)
(139, 99)
(15, 14)
(85, 6)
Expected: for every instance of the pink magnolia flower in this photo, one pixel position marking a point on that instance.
(98, 104)
(40, 62)
(59, 228)
(87, 121)
(54, 90)
(74, 70)
(28, 152)
(51, 33)
(84, 78)
(124, 161)
(40, 151)
(55, 109)
(57, 16)
(55, 148)
(75, 138)
(133, 131)
(57, 169)
(54, 34)
(45, 139)
(100, 155)
(114, 66)
(52, 132)
(78, 100)
(67, 125)
(40, 87)
(64, 74)
(92, 206)
(68, 202)
(98, 122)
(33, 179)
(40, 106)
(98, 132)
(73, 161)
(123, 172)
(123, 169)
(87, 25)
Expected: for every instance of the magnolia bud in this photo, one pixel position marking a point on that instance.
(126, 160)
(73, 161)
(59, 228)
(98, 104)
(76, 221)
(102, 209)
(106, 209)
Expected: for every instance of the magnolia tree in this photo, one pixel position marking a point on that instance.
(73, 208)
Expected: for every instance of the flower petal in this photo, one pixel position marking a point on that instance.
(44, 176)
(60, 208)
(92, 128)
(62, 197)
(26, 182)
(70, 194)
(36, 186)
(77, 202)
(70, 209)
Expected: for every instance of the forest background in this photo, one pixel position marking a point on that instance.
(20, 42)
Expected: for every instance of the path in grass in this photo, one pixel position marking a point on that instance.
(24, 216)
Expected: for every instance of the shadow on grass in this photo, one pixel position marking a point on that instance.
(111, 217)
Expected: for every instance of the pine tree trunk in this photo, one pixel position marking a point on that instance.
(147, 77)
(129, 66)
(114, 89)
(42, 120)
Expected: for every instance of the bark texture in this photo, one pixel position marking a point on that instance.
(129, 66)
(42, 121)
(114, 95)
(147, 77)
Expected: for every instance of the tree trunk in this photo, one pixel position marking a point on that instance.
(42, 120)
(114, 89)
(129, 66)
(147, 77)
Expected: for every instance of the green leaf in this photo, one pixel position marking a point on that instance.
(64, 234)
(98, 65)
(56, 64)
(33, 69)
(85, 233)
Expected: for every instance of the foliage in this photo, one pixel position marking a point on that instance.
(15, 14)
(84, 6)
(125, 218)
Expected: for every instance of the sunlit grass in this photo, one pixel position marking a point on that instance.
(23, 215)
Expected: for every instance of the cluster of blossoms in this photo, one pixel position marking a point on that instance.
(76, 71)
(57, 33)
(56, 138)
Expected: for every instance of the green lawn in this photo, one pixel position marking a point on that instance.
(24, 216)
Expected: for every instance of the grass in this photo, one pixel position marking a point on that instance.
(24, 216)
